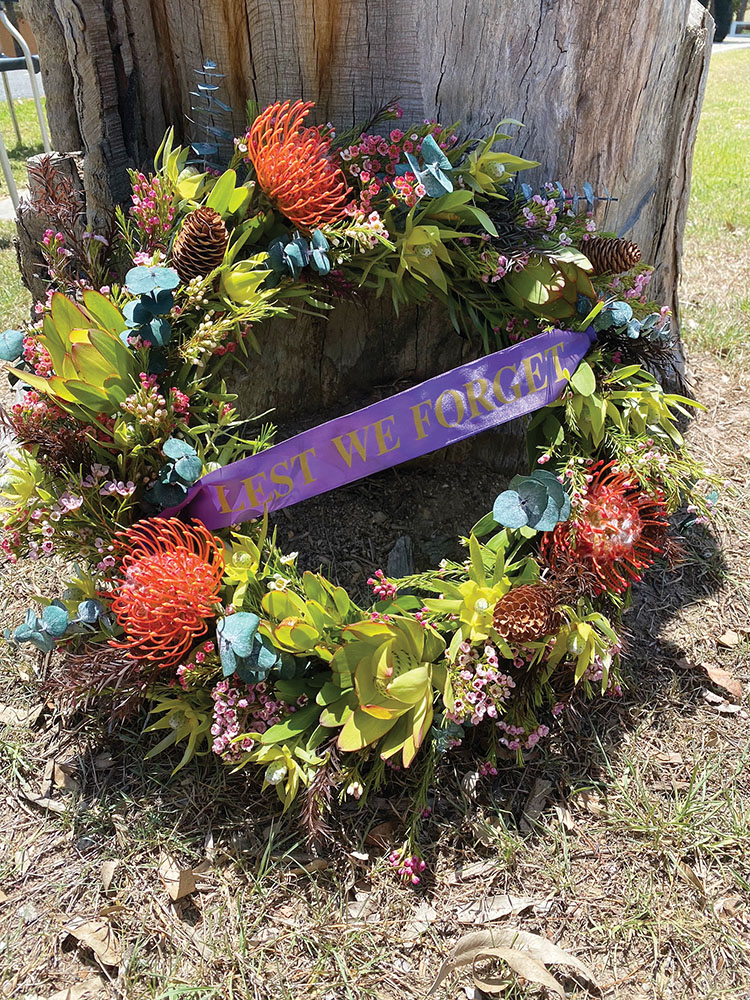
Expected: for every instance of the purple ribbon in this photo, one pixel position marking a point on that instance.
(444, 409)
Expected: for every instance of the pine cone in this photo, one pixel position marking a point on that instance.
(200, 244)
(612, 255)
(526, 613)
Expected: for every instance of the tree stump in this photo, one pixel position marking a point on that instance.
(609, 94)
(32, 220)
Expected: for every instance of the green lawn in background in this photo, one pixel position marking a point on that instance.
(715, 292)
(720, 194)
(31, 139)
(15, 300)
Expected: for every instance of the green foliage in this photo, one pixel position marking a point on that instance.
(187, 719)
(93, 370)
(549, 286)
(11, 345)
(311, 623)
(381, 690)
(492, 570)
(183, 468)
(537, 501)
(247, 652)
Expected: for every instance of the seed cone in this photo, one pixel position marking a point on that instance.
(200, 244)
(526, 613)
(611, 255)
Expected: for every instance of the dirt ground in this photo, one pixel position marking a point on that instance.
(627, 842)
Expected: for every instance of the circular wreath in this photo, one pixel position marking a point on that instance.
(120, 408)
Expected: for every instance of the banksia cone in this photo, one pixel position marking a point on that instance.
(611, 255)
(200, 245)
(526, 613)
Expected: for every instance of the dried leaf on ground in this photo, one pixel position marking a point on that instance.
(469, 783)
(493, 908)
(89, 989)
(382, 834)
(564, 816)
(721, 705)
(63, 776)
(468, 947)
(362, 907)
(731, 906)
(420, 920)
(722, 678)
(108, 872)
(97, 934)
(10, 716)
(691, 876)
(43, 802)
(478, 869)
(725, 680)
(728, 639)
(535, 804)
(668, 757)
(522, 963)
(179, 882)
(590, 801)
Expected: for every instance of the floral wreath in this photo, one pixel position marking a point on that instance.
(120, 408)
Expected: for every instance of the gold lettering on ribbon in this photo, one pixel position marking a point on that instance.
(255, 493)
(421, 420)
(458, 402)
(281, 480)
(476, 392)
(497, 385)
(224, 505)
(534, 373)
(384, 436)
(554, 351)
(304, 465)
(354, 444)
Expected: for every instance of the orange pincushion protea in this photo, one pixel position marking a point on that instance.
(614, 537)
(171, 581)
(293, 168)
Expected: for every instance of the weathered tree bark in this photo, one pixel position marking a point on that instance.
(609, 94)
(56, 74)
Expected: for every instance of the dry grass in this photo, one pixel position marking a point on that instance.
(639, 862)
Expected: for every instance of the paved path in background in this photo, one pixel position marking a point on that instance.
(6, 206)
(20, 85)
(731, 43)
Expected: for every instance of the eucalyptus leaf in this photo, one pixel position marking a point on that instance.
(11, 345)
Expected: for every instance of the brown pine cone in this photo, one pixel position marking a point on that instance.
(200, 245)
(611, 255)
(526, 613)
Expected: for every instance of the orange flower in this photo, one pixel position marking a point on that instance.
(293, 168)
(615, 536)
(171, 581)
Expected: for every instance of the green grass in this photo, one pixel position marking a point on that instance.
(15, 300)
(30, 144)
(716, 262)
(720, 193)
